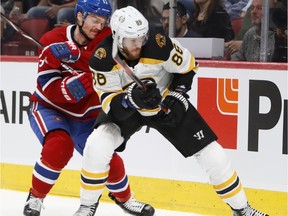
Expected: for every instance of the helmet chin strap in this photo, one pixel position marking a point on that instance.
(81, 30)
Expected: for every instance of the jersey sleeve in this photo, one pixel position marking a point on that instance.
(50, 85)
(174, 56)
(180, 60)
(107, 80)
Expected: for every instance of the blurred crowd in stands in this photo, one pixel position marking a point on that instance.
(238, 22)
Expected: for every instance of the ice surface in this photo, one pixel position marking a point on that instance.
(12, 204)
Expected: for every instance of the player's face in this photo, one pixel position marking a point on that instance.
(93, 25)
(132, 47)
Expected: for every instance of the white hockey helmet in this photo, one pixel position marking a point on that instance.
(128, 22)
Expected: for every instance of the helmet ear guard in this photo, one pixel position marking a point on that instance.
(128, 22)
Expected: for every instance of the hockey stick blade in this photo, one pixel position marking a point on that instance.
(33, 40)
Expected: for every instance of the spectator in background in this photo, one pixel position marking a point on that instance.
(7, 5)
(26, 5)
(244, 10)
(246, 23)
(279, 19)
(250, 46)
(2, 23)
(211, 20)
(16, 11)
(235, 8)
(13, 10)
(234, 45)
(57, 11)
(23, 5)
(151, 9)
(189, 5)
(181, 22)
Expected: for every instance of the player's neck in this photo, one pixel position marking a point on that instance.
(129, 61)
(79, 37)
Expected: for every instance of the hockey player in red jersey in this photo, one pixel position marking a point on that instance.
(65, 107)
(166, 70)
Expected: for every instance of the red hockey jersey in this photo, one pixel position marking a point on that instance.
(48, 91)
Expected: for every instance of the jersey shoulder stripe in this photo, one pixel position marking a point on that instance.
(102, 60)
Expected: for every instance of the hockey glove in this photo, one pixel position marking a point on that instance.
(76, 87)
(56, 53)
(139, 98)
(177, 104)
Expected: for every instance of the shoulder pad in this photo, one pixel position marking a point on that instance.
(102, 60)
(53, 36)
(158, 46)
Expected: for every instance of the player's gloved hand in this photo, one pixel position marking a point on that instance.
(76, 87)
(142, 99)
(177, 104)
(56, 53)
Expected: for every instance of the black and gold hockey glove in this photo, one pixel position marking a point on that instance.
(139, 98)
(177, 104)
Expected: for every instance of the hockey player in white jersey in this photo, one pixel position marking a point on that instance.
(166, 69)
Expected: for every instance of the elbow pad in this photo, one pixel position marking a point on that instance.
(182, 82)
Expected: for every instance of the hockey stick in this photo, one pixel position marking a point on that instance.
(118, 60)
(24, 34)
(129, 72)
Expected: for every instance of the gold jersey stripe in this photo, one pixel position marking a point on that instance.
(150, 61)
(193, 66)
(106, 102)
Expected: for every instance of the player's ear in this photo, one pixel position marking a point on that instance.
(79, 18)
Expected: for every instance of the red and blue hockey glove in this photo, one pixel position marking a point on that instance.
(76, 87)
(56, 53)
(139, 98)
(177, 103)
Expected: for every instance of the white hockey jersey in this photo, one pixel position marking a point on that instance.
(161, 57)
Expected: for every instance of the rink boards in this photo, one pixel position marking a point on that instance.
(246, 104)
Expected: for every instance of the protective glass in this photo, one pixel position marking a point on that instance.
(135, 42)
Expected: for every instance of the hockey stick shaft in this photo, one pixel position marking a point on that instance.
(24, 34)
(128, 71)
